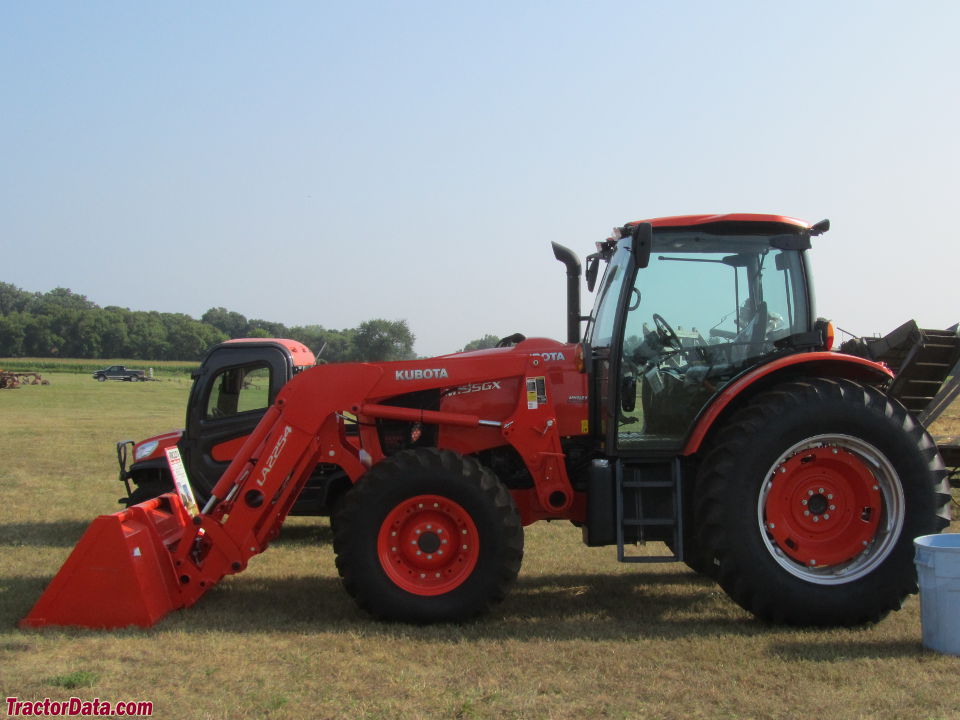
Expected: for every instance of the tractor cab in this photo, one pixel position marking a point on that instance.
(685, 306)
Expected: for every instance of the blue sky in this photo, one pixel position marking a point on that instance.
(328, 163)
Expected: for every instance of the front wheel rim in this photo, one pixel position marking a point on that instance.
(428, 545)
(831, 509)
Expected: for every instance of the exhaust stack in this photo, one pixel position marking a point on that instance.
(572, 263)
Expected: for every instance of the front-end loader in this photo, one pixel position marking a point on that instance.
(701, 408)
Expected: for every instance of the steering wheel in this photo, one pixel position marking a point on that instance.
(666, 332)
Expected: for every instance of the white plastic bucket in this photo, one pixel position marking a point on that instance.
(938, 572)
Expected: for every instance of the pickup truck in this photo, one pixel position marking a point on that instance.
(118, 372)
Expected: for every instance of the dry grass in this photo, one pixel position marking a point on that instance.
(580, 636)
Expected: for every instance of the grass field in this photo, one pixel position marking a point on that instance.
(161, 368)
(579, 637)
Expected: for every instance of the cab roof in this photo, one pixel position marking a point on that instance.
(302, 355)
(737, 218)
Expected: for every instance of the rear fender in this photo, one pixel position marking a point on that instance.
(816, 364)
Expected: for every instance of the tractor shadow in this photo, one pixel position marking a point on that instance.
(60, 533)
(315, 534)
(661, 602)
(620, 607)
(560, 607)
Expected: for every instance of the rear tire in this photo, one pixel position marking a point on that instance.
(428, 536)
(810, 499)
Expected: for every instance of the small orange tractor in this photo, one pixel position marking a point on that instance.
(701, 408)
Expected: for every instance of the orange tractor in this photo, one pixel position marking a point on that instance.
(701, 408)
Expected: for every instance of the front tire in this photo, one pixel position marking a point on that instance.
(810, 499)
(428, 536)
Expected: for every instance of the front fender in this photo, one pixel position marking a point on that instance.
(817, 364)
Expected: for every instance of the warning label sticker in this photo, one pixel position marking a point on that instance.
(536, 392)
(175, 462)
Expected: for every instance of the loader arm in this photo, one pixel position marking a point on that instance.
(167, 559)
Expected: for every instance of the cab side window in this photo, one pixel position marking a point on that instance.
(239, 390)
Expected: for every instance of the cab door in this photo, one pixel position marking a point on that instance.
(230, 395)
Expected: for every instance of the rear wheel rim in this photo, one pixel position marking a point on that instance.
(831, 509)
(428, 545)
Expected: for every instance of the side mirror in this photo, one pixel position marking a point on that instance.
(593, 265)
(642, 244)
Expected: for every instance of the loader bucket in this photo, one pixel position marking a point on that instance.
(120, 573)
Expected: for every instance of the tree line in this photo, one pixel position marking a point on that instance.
(61, 323)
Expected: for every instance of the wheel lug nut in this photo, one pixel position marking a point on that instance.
(803, 502)
(816, 518)
(826, 516)
(806, 513)
(833, 507)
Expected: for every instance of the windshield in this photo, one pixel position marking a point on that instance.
(708, 288)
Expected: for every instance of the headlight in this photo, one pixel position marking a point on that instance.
(146, 449)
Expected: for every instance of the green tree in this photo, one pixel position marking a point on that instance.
(265, 328)
(487, 341)
(189, 339)
(39, 339)
(62, 298)
(329, 346)
(378, 340)
(233, 324)
(13, 299)
(146, 336)
(12, 334)
(114, 338)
